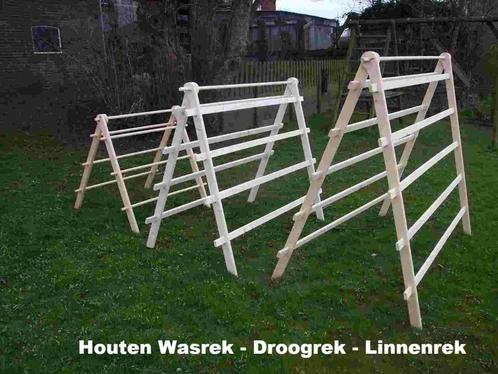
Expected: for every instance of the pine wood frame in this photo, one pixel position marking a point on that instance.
(192, 107)
(103, 134)
(370, 68)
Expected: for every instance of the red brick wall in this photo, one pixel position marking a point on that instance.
(269, 5)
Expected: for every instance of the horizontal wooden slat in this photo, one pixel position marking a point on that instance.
(250, 144)
(373, 121)
(181, 208)
(228, 106)
(264, 179)
(439, 246)
(421, 170)
(335, 223)
(413, 80)
(363, 156)
(112, 181)
(172, 193)
(130, 115)
(429, 212)
(124, 171)
(416, 127)
(226, 137)
(127, 135)
(260, 221)
(240, 85)
(409, 58)
(217, 168)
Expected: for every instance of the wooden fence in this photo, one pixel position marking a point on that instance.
(311, 74)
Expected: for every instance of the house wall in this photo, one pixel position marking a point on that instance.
(20, 66)
(37, 91)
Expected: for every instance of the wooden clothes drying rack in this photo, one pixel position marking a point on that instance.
(192, 108)
(103, 134)
(369, 76)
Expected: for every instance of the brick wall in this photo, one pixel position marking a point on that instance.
(20, 66)
(45, 91)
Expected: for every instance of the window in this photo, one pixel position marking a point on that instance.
(46, 39)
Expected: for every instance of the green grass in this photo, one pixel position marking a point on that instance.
(69, 275)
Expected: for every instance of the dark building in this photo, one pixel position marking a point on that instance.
(286, 35)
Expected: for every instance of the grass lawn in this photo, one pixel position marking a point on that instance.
(67, 275)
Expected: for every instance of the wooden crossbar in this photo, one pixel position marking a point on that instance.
(250, 144)
(217, 168)
(333, 224)
(373, 121)
(146, 166)
(432, 256)
(240, 85)
(141, 114)
(363, 156)
(192, 107)
(230, 106)
(421, 170)
(409, 58)
(129, 134)
(261, 180)
(260, 221)
(416, 127)
(369, 75)
(226, 137)
(393, 83)
(429, 212)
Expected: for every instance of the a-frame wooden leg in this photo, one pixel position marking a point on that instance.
(193, 102)
(455, 132)
(181, 121)
(102, 119)
(407, 151)
(308, 156)
(159, 153)
(336, 134)
(87, 171)
(195, 168)
(371, 60)
(269, 146)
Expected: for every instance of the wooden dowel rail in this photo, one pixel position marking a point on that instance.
(229, 106)
(179, 209)
(440, 244)
(241, 85)
(218, 168)
(149, 165)
(131, 129)
(421, 170)
(151, 200)
(249, 144)
(226, 137)
(373, 121)
(392, 83)
(416, 127)
(348, 191)
(131, 115)
(412, 231)
(364, 156)
(264, 179)
(91, 187)
(409, 58)
(127, 135)
(260, 221)
(233, 190)
(334, 224)
(124, 156)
